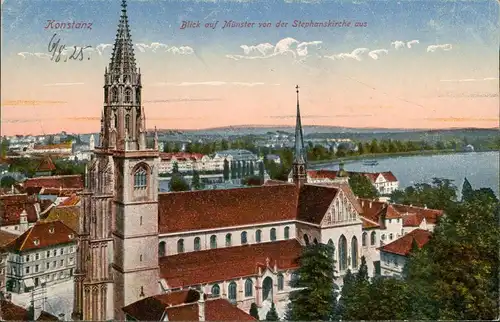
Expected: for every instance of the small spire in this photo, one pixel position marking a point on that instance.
(299, 136)
(156, 140)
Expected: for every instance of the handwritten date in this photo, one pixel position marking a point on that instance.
(57, 49)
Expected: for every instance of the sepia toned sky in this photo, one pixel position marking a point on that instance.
(416, 64)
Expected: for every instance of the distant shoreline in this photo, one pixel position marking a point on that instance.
(355, 158)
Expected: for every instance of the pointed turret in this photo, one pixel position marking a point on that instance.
(299, 170)
(156, 140)
(122, 59)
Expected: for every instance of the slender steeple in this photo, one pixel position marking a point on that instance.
(122, 59)
(299, 170)
(124, 126)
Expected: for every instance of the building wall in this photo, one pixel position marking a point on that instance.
(51, 265)
(170, 240)
(391, 264)
(393, 230)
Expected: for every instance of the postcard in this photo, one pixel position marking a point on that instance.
(174, 160)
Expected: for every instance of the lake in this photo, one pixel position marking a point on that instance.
(480, 168)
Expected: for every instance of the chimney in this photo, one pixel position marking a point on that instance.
(201, 306)
(23, 221)
(370, 204)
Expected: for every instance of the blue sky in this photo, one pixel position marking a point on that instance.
(425, 63)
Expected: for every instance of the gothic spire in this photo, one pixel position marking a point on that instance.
(122, 58)
(299, 156)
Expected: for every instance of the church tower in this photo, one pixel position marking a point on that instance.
(117, 262)
(299, 166)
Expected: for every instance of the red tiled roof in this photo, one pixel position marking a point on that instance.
(153, 307)
(11, 312)
(430, 215)
(215, 310)
(74, 181)
(11, 207)
(65, 145)
(184, 308)
(205, 209)
(314, 201)
(46, 165)
(181, 156)
(367, 223)
(389, 176)
(6, 237)
(402, 246)
(317, 174)
(372, 210)
(392, 213)
(412, 220)
(41, 235)
(222, 264)
(70, 201)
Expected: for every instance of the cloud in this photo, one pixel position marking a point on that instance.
(433, 48)
(179, 100)
(101, 47)
(286, 46)
(318, 116)
(375, 53)
(26, 54)
(400, 44)
(163, 48)
(63, 84)
(214, 83)
(412, 42)
(30, 102)
(470, 79)
(355, 54)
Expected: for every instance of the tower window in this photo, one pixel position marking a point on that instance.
(127, 123)
(114, 93)
(116, 120)
(140, 258)
(128, 95)
(140, 179)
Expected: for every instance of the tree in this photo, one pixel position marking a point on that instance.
(226, 170)
(362, 186)
(178, 183)
(7, 182)
(467, 190)
(175, 168)
(50, 140)
(316, 296)
(195, 183)
(252, 181)
(272, 314)
(5, 147)
(254, 311)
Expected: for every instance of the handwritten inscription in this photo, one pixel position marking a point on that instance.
(59, 51)
(52, 24)
(231, 24)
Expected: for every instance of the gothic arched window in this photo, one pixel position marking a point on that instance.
(140, 179)
(180, 246)
(228, 240)
(364, 241)
(258, 236)
(114, 95)
(281, 282)
(115, 118)
(287, 232)
(273, 234)
(161, 249)
(231, 290)
(373, 238)
(138, 96)
(306, 240)
(354, 252)
(342, 253)
(197, 243)
(216, 290)
(248, 288)
(213, 241)
(244, 238)
(128, 95)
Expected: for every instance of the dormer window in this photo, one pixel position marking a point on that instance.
(36, 241)
(140, 179)
(71, 236)
(51, 230)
